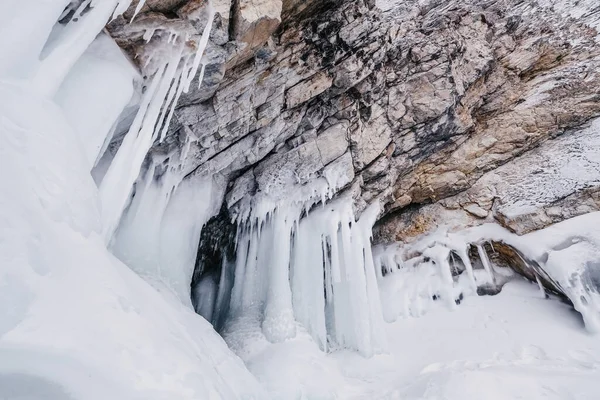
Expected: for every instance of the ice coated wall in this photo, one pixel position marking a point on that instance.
(74, 318)
(159, 234)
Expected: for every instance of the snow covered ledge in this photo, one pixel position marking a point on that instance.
(563, 258)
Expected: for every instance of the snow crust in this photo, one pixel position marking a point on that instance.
(517, 344)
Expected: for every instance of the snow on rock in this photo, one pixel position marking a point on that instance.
(565, 254)
(586, 11)
(541, 178)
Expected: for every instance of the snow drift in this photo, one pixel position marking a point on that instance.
(76, 322)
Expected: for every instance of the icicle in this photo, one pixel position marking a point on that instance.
(123, 5)
(464, 256)
(116, 185)
(201, 76)
(223, 295)
(242, 248)
(486, 262)
(172, 99)
(138, 9)
(79, 12)
(153, 119)
(540, 286)
(149, 33)
(307, 282)
(279, 322)
(200, 52)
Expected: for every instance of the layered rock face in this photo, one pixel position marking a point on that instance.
(413, 104)
(447, 113)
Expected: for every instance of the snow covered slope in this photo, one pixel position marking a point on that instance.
(75, 322)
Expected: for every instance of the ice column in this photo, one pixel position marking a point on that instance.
(159, 234)
(279, 318)
(319, 271)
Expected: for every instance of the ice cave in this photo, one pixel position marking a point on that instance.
(300, 199)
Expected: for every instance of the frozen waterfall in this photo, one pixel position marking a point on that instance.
(317, 270)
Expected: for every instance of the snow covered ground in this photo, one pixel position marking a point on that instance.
(516, 345)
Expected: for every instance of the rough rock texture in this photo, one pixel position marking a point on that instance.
(446, 111)
(558, 180)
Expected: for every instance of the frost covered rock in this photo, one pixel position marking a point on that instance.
(561, 258)
(558, 180)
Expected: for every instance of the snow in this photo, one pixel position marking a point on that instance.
(76, 322)
(76, 307)
(108, 80)
(513, 345)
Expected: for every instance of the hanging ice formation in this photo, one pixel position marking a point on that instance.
(316, 270)
(174, 73)
(74, 58)
(560, 258)
(159, 233)
(59, 47)
(414, 277)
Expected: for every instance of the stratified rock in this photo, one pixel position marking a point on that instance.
(254, 21)
(447, 111)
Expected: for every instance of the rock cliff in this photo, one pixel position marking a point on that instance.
(447, 112)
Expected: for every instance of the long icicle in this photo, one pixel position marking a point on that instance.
(153, 118)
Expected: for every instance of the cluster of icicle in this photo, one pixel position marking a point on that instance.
(317, 270)
(159, 232)
(158, 235)
(53, 49)
(413, 277)
(174, 75)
